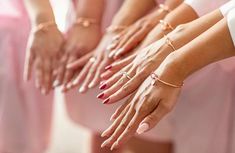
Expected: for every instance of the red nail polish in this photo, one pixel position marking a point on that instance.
(108, 67)
(106, 101)
(100, 95)
(103, 86)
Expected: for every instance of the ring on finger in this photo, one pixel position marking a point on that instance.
(126, 75)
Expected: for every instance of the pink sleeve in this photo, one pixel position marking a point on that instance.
(203, 7)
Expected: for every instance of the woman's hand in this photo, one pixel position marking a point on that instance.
(89, 76)
(131, 76)
(79, 44)
(43, 51)
(132, 36)
(141, 112)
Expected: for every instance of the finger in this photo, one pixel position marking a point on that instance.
(81, 76)
(60, 71)
(114, 78)
(129, 87)
(47, 76)
(123, 80)
(100, 69)
(153, 118)
(108, 132)
(80, 62)
(116, 66)
(38, 73)
(132, 42)
(120, 109)
(90, 75)
(121, 127)
(125, 38)
(29, 61)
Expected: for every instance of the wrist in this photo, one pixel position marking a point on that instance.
(42, 17)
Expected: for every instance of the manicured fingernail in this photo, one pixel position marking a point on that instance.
(116, 37)
(142, 128)
(82, 89)
(119, 50)
(103, 86)
(114, 146)
(69, 85)
(106, 101)
(56, 83)
(113, 117)
(104, 134)
(91, 85)
(111, 46)
(108, 67)
(100, 95)
(112, 53)
(104, 143)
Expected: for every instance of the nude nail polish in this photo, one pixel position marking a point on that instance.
(142, 128)
(100, 95)
(103, 86)
(106, 101)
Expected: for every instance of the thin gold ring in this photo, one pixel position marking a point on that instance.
(126, 75)
(169, 42)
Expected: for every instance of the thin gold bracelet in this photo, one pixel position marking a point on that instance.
(169, 42)
(165, 26)
(44, 26)
(164, 8)
(156, 78)
(85, 22)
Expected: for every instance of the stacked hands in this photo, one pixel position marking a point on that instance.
(118, 62)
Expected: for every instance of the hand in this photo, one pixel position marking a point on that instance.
(132, 36)
(79, 44)
(43, 51)
(89, 77)
(121, 85)
(141, 112)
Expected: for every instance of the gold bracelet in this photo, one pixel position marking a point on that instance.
(164, 8)
(165, 26)
(169, 42)
(44, 26)
(115, 28)
(156, 78)
(85, 22)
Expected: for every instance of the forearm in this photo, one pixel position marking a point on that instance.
(91, 9)
(39, 11)
(132, 10)
(213, 45)
(172, 4)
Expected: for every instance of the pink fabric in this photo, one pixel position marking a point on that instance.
(24, 121)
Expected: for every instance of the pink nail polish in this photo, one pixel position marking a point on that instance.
(108, 67)
(106, 101)
(103, 86)
(142, 128)
(100, 95)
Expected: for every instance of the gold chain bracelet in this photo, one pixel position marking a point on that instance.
(85, 22)
(44, 26)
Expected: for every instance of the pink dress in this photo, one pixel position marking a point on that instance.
(24, 121)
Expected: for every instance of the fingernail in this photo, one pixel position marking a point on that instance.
(91, 85)
(112, 118)
(106, 101)
(56, 83)
(69, 86)
(111, 46)
(112, 53)
(108, 67)
(100, 95)
(82, 89)
(104, 143)
(104, 134)
(103, 86)
(116, 37)
(142, 128)
(119, 50)
(75, 82)
(114, 146)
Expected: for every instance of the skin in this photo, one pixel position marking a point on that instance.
(44, 47)
(133, 35)
(78, 41)
(150, 103)
(89, 76)
(154, 102)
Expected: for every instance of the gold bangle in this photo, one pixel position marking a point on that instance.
(169, 42)
(85, 22)
(164, 8)
(44, 26)
(115, 28)
(165, 26)
(156, 78)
